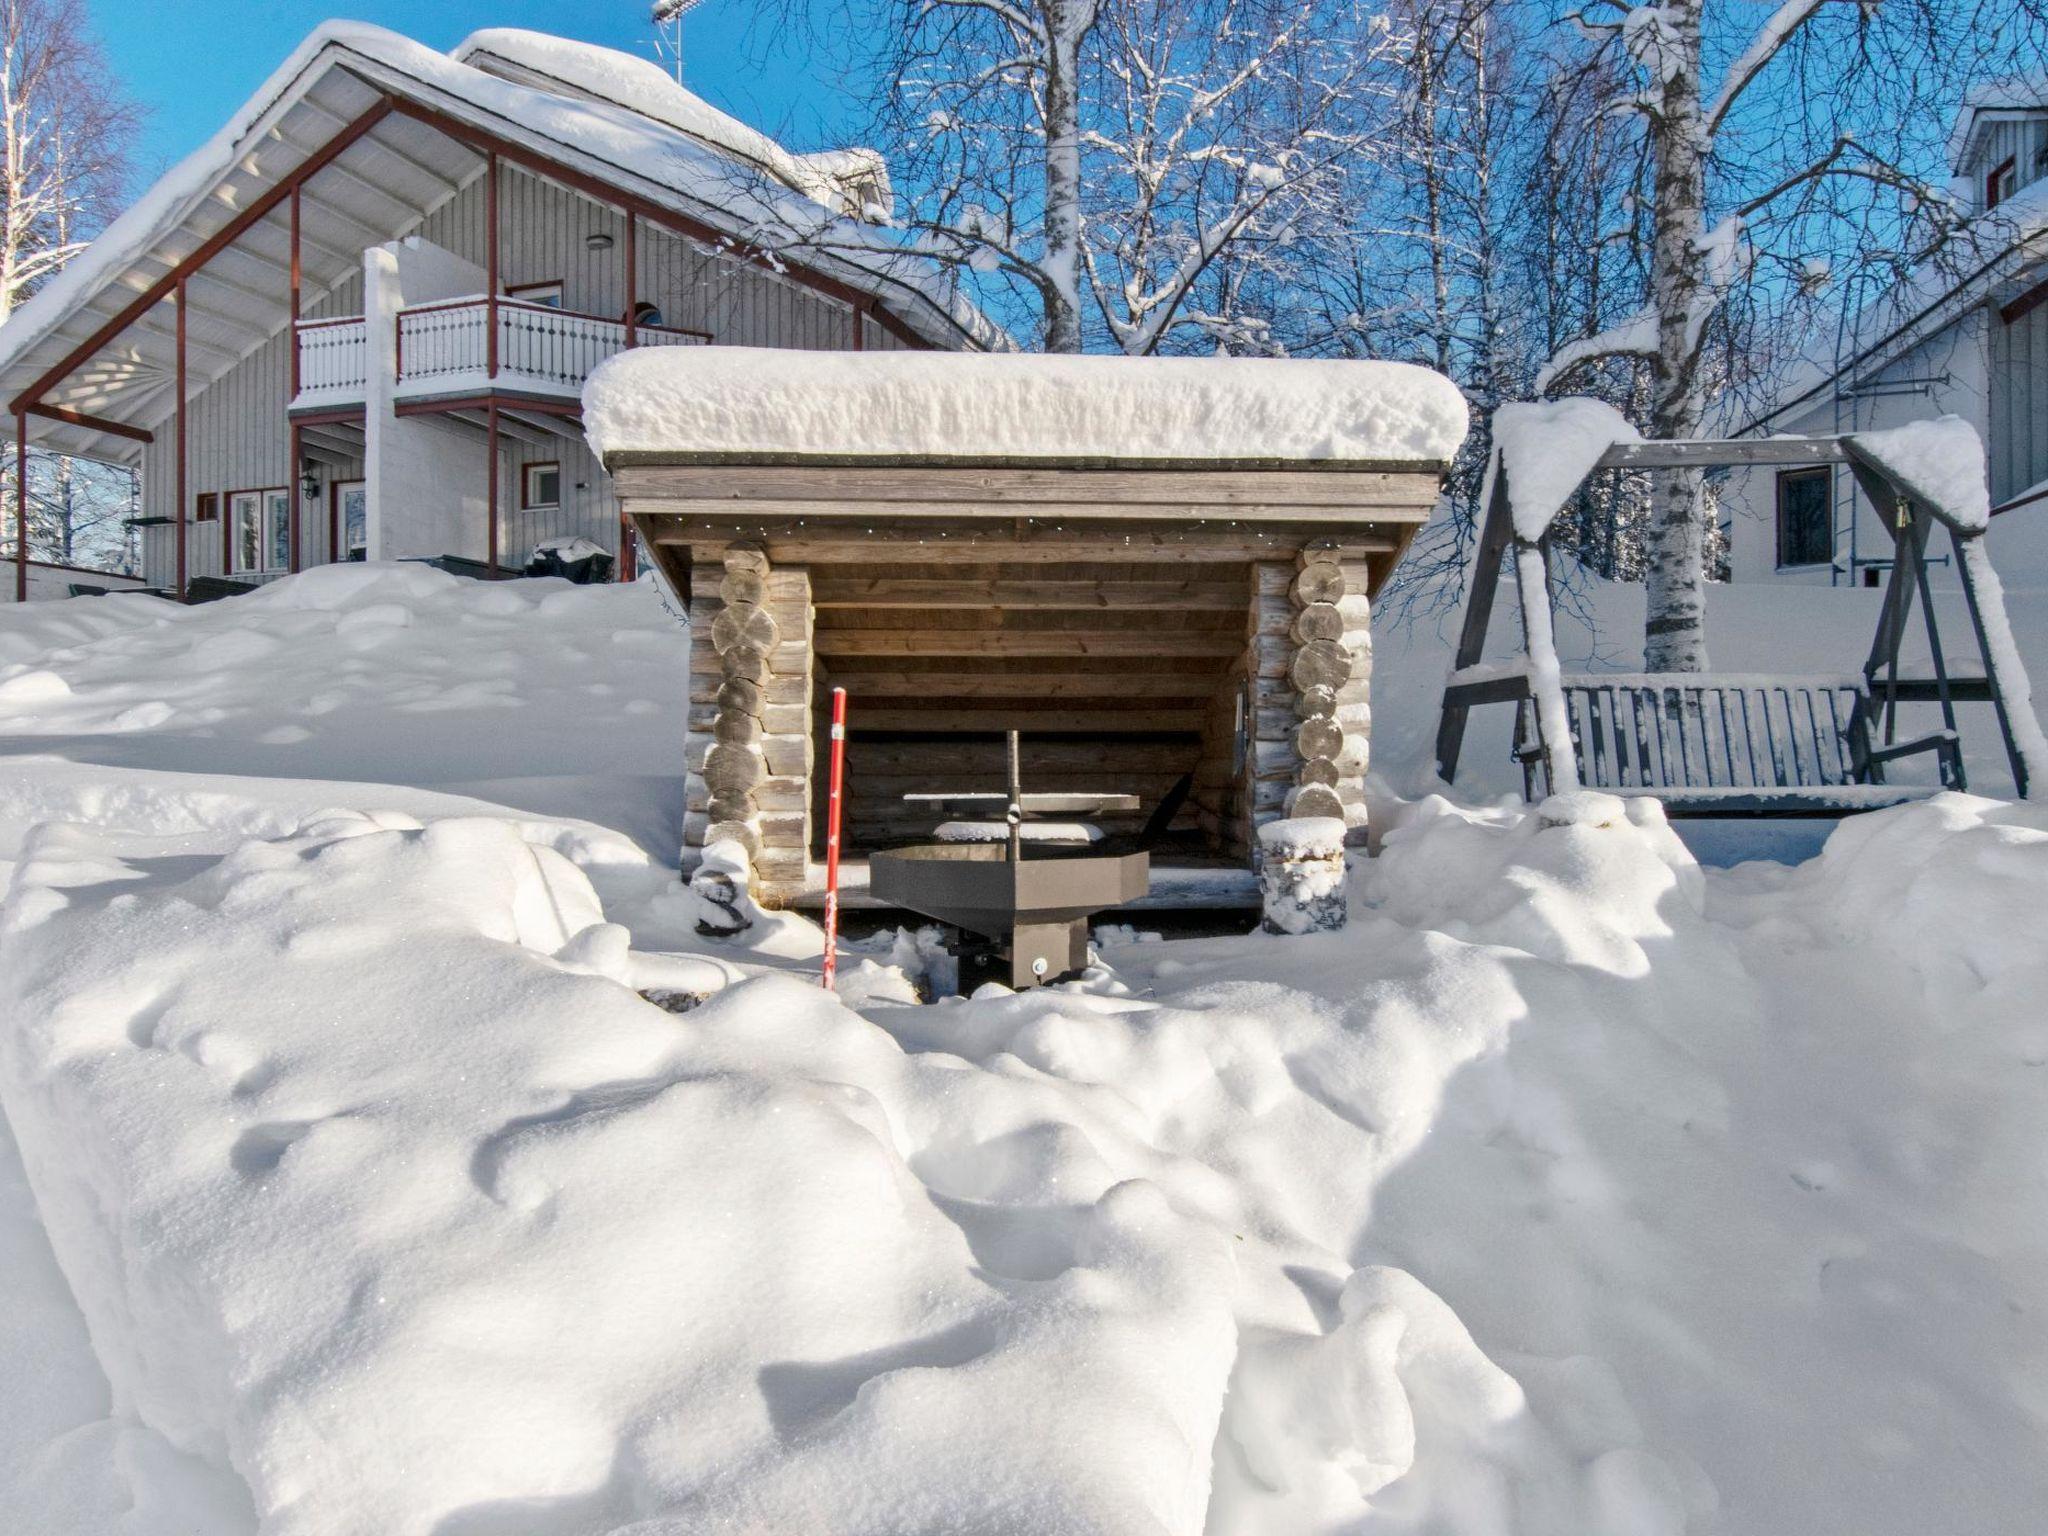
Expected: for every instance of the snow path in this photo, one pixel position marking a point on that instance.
(1573, 1189)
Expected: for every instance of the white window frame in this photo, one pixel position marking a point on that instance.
(528, 475)
(267, 509)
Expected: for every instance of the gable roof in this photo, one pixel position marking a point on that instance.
(395, 128)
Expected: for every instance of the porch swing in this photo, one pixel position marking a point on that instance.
(1723, 745)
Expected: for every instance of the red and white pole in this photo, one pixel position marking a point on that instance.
(832, 837)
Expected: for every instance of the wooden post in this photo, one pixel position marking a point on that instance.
(632, 281)
(491, 479)
(751, 751)
(744, 635)
(1331, 670)
(491, 280)
(293, 448)
(183, 511)
(297, 276)
(293, 488)
(21, 505)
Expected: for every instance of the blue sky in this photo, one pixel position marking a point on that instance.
(192, 64)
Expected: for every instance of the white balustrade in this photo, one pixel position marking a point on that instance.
(334, 357)
(538, 345)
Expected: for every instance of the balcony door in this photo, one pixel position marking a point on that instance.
(259, 531)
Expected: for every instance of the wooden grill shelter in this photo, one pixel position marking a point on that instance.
(1158, 571)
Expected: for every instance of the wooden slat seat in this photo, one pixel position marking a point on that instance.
(1729, 745)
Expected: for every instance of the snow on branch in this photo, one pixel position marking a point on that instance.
(1634, 337)
(1774, 35)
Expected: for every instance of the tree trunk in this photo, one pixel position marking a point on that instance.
(1674, 545)
(1064, 26)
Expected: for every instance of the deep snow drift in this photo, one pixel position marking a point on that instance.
(1572, 1189)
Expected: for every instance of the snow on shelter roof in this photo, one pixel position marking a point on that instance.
(740, 402)
(338, 74)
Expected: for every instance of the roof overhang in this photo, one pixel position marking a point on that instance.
(389, 131)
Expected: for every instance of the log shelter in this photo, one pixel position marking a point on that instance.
(1150, 626)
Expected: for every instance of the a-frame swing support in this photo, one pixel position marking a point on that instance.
(1908, 516)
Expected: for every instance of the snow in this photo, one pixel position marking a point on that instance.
(964, 405)
(1941, 461)
(1573, 1189)
(1546, 448)
(643, 86)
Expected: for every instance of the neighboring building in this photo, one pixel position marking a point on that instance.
(377, 293)
(1972, 342)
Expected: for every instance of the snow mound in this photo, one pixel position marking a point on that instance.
(1546, 448)
(981, 405)
(1941, 461)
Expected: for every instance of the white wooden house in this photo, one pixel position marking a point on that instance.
(1968, 337)
(357, 322)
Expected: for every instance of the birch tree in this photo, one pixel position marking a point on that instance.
(66, 130)
(1772, 140)
(1119, 172)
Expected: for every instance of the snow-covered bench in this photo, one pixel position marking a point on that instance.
(1733, 745)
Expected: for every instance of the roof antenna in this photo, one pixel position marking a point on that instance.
(668, 17)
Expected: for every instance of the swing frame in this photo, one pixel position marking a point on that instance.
(1551, 753)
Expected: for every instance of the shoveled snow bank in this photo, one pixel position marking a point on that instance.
(1941, 460)
(1547, 448)
(967, 405)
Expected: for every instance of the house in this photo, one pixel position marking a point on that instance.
(357, 322)
(1968, 338)
(1158, 570)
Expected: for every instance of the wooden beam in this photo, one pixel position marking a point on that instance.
(1376, 523)
(1731, 453)
(1111, 717)
(1169, 544)
(1251, 491)
(492, 276)
(1065, 686)
(93, 423)
(220, 240)
(1042, 642)
(832, 591)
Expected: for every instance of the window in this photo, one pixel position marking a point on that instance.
(2001, 183)
(259, 530)
(647, 314)
(351, 517)
(207, 508)
(543, 486)
(1806, 517)
(549, 294)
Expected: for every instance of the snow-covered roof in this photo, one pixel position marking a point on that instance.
(665, 147)
(1987, 102)
(733, 400)
(837, 179)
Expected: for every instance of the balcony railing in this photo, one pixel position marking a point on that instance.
(445, 347)
(539, 346)
(334, 358)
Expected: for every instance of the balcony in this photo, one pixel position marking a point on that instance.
(334, 363)
(443, 351)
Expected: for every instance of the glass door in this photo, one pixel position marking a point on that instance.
(351, 520)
